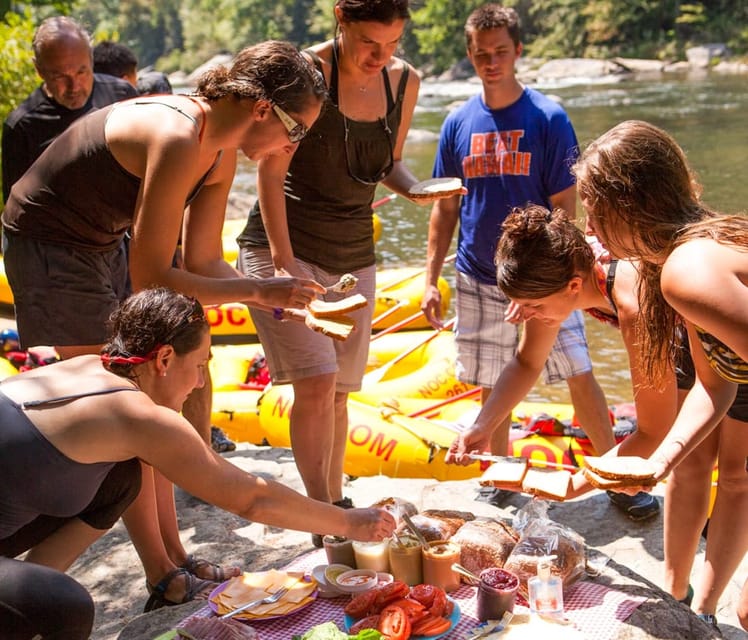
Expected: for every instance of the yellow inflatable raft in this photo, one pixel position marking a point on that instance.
(233, 227)
(398, 302)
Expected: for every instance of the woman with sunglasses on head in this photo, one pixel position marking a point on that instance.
(154, 166)
(314, 219)
(643, 202)
(73, 435)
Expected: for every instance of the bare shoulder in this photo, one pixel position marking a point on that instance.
(164, 119)
(625, 288)
(699, 262)
(397, 67)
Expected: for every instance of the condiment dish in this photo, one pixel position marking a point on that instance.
(357, 580)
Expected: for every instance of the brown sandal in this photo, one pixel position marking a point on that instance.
(206, 570)
(195, 589)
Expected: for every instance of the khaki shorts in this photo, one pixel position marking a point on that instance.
(293, 351)
(486, 343)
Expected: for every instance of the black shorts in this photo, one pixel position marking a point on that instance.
(63, 296)
(119, 488)
(39, 602)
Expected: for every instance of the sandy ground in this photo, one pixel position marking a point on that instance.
(112, 572)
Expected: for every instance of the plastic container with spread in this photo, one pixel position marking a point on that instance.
(339, 550)
(372, 555)
(406, 563)
(497, 592)
(437, 564)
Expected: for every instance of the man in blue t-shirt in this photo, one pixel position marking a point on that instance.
(511, 146)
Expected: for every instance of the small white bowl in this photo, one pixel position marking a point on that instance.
(326, 589)
(384, 578)
(332, 571)
(357, 580)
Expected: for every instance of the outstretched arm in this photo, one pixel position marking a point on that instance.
(510, 389)
(178, 450)
(444, 216)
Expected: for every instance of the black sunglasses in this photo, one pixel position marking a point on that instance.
(382, 174)
(296, 130)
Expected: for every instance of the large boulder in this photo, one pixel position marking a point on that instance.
(701, 57)
(579, 68)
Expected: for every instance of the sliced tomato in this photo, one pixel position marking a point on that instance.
(413, 609)
(369, 622)
(361, 605)
(390, 592)
(430, 626)
(424, 593)
(394, 623)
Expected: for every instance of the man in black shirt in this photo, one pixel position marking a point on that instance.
(64, 61)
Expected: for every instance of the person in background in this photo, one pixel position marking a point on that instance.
(116, 59)
(511, 146)
(152, 82)
(546, 267)
(643, 202)
(73, 435)
(314, 218)
(64, 61)
(156, 166)
(119, 60)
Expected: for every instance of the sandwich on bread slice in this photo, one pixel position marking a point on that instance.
(324, 309)
(552, 484)
(442, 187)
(612, 472)
(505, 473)
(338, 328)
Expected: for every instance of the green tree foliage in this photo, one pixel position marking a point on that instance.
(181, 34)
(17, 73)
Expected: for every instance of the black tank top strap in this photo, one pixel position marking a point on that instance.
(30, 404)
(609, 282)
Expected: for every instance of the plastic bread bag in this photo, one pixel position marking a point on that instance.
(541, 537)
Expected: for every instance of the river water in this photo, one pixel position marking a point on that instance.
(706, 113)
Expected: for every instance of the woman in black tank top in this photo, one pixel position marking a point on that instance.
(73, 439)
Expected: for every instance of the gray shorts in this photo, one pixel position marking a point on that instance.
(486, 343)
(63, 296)
(294, 351)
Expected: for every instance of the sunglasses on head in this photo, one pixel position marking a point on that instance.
(296, 130)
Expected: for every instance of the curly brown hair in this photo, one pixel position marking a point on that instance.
(539, 252)
(148, 320)
(271, 70)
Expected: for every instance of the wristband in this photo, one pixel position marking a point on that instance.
(278, 313)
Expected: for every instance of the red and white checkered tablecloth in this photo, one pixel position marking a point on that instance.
(595, 610)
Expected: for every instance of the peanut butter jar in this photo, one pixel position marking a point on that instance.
(437, 564)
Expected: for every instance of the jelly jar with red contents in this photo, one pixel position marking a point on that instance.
(497, 592)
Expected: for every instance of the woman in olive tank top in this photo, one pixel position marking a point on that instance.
(314, 218)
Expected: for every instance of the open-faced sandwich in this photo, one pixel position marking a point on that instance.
(325, 309)
(441, 187)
